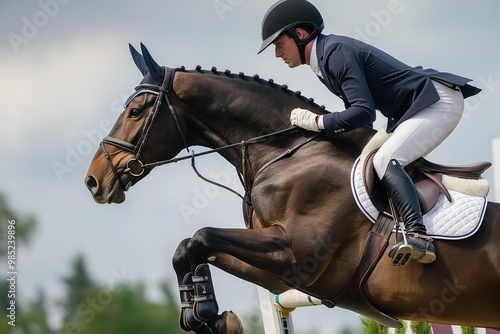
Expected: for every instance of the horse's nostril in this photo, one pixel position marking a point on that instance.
(91, 183)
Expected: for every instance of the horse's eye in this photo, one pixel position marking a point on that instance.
(134, 113)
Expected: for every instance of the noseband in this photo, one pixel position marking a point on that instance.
(134, 166)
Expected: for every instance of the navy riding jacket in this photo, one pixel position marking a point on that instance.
(366, 79)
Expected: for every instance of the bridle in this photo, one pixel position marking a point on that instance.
(136, 167)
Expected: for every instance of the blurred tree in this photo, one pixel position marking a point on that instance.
(33, 320)
(401, 330)
(125, 310)
(24, 225)
(420, 327)
(347, 330)
(24, 228)
(373, 327)
(77, 286)
(172, 308)
(252, 323)
(468, 330)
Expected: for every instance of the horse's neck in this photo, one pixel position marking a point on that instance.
(227, 109)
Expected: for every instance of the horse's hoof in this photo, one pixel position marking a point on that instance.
(226, 323)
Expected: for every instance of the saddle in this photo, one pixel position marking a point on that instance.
(427, 177)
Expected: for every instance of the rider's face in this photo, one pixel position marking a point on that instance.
(286, 49)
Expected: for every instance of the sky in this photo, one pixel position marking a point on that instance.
(65, 71)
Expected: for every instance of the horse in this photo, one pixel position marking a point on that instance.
(303, 229)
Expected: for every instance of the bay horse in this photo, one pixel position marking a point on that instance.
(303, 227)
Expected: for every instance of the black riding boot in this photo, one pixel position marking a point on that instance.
(401, 190)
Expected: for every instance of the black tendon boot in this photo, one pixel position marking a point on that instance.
(401, 190)
(205, 305)
(187, 319)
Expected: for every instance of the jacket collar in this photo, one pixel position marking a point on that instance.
(313, 61)
(328, 80)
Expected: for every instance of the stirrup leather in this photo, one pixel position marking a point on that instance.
(401, 252)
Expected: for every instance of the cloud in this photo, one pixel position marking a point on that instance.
(51, 92)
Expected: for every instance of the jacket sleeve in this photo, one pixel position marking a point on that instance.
(345, 66)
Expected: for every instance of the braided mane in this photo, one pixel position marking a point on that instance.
(258, 79)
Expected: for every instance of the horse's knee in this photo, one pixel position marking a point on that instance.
(197, 245)
(180, 259)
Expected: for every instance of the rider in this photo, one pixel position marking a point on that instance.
(422, 106)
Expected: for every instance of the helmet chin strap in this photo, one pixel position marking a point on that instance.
(301, 43)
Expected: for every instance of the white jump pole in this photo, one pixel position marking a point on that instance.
(276, 309)
(274, 321)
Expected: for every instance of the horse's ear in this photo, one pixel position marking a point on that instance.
(138, 60)
(155, 70)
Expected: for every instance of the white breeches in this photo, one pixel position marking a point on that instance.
(423, 132)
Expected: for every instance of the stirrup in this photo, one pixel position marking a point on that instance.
(401, 252)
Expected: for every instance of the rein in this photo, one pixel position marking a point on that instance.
(243, 146)
(136, 167)
(243, 143)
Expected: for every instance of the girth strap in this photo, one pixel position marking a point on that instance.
(353, 296)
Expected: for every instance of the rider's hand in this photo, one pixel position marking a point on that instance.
(305, 119)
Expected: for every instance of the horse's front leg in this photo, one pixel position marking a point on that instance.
(266, 249)
(258, 256)
(209, 322)
(257, 252)
(182, 268)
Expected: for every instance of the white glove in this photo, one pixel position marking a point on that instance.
(304, 119)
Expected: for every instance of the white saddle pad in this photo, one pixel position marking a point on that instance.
(452, 221)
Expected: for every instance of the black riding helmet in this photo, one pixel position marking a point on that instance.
(285, 16)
